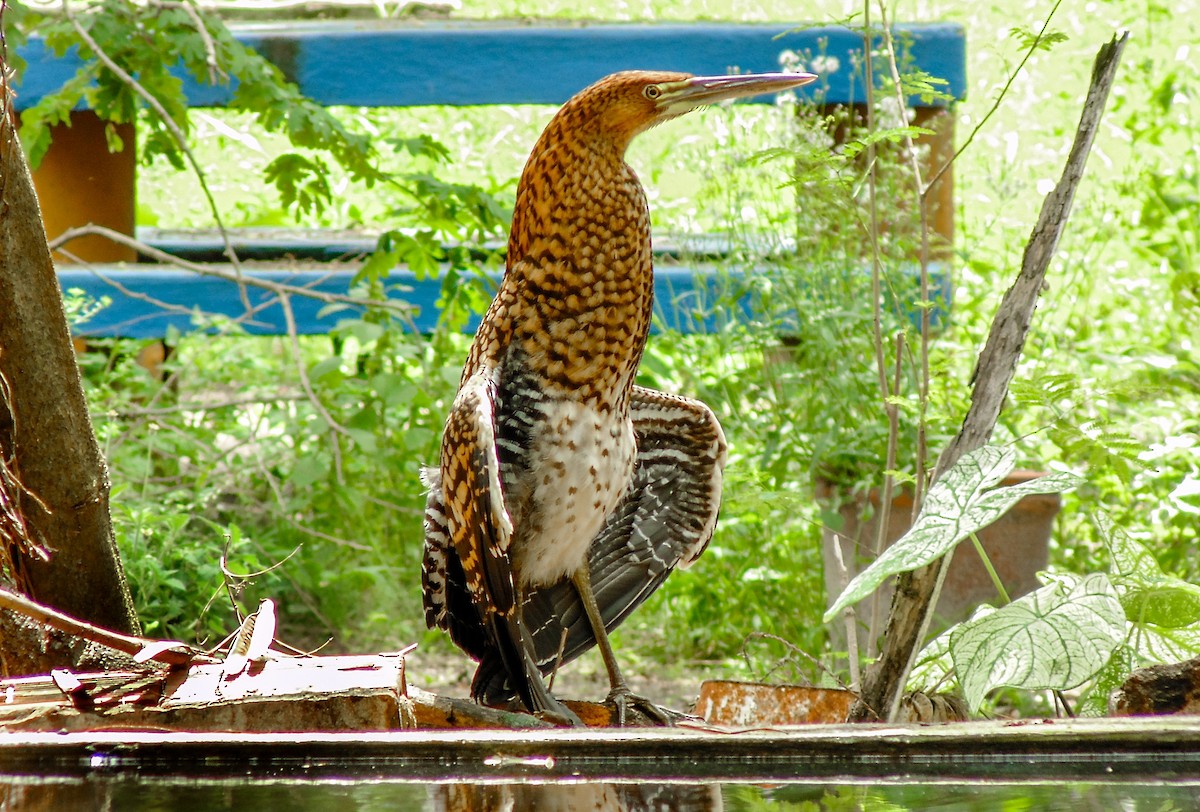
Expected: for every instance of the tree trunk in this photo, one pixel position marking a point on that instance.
(46, 438)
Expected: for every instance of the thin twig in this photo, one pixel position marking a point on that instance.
(885, 392)
(889, 481)
(133, 413)
(849, 615)
(203, 269)
(999, 99)
(176, 133)
(286, 303)
(796, 651)
(273, 483)
(923, 231)
(16, 534)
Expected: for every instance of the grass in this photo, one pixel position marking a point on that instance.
(1108, 384)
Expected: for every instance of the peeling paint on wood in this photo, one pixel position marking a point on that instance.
(747, 704)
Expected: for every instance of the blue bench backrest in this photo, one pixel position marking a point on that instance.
(375, 64)
(475, 63)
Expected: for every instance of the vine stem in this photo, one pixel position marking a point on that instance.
(176, 133)
(991, 569)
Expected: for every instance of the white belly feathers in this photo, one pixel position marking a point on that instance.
(586, 464)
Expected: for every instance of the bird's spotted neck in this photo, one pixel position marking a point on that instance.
(579, 265)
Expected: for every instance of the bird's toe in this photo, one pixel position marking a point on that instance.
(644, 712)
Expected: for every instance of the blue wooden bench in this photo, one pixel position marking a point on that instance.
(397, 65)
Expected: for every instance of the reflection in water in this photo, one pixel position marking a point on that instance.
(584, 797)
(131, 794)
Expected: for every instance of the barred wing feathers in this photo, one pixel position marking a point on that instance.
(665, 521)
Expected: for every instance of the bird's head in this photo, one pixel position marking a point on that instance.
(621, 105)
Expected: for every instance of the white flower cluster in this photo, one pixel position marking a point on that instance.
(821, 64)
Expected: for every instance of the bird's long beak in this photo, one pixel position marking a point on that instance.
(680, 97)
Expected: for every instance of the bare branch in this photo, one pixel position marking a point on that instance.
(133, 412)
(917, 592)
(175, 131)
(177, 655)
(278, 288)
(302, 371)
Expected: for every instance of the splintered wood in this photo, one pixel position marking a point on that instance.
(276, 694)
(365, 692)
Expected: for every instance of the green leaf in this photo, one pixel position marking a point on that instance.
(365, 439)
(1164, 645)
(302, 182)
(394, 390)
(1030, 40)
(1094, 701)
(307, 471)
(1054, 638)
(963, 501)
(363, 331)
(422, 146)
(327, 371)
(1148, 594)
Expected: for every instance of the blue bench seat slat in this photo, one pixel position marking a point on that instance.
(137, 291)
(390, 64)
(684, 298)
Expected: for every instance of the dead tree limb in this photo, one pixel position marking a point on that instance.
(179, 654)
(46, 435)
(917, 591)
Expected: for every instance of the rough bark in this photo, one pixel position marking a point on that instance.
(917, 591)
(1160, 689)
(46, 435)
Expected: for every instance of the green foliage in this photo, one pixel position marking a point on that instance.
(1096, 443)
(1148, 595)
(238, 450)
(963, 501)
(1030, 40)
(1090, 629)
(301, 180)
(133, 37)
(1052, 639)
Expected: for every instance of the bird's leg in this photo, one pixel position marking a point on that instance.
(544, 703)
(619, 694)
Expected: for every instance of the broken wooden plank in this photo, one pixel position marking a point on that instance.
(359, 692)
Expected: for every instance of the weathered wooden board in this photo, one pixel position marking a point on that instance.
(1159, 748)
(724, 702)
(362, 692)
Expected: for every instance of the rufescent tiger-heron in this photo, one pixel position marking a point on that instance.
(566, 494)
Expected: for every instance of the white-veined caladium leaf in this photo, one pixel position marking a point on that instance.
(1149, 595)
(963, 501)
(1051, 639)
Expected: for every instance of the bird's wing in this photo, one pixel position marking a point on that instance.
(665, 520)
(467, 573)
(467, 527)
(448, 603)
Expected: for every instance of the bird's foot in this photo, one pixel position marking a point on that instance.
(559, 714)
(622, 699)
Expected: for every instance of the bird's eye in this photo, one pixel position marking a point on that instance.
(652, 92)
